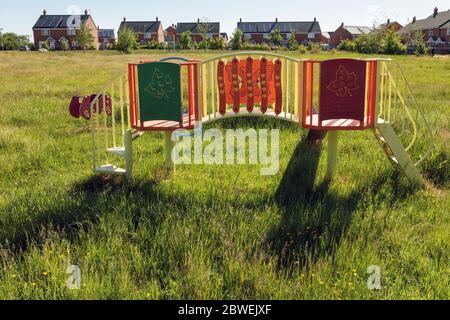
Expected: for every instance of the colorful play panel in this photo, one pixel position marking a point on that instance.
(324, 96)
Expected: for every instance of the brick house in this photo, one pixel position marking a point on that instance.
(145, 31)
(170, 33)
(194, 29)
(53, 29)
(394, 25)
(106, 38)
(258, 32)
(347, 33)
(435, 28)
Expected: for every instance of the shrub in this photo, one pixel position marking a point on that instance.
(186, 42)
(302, 49)
(292, 43)
(391, 43)
(64, 45)
(127, 41)
(315, 48)
(236, 40)
(347, 45)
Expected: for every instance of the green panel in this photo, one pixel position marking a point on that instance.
(159, 91)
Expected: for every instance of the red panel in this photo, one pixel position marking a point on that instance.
(258, 79)
(250, 81)
(235, 85)
(222, 89)
(342, 89)
(278, 88)
(264, 86)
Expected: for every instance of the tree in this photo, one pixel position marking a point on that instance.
(84, 37)
(127, 41)
(391, 43)
(12, 41)
(186, 40)
(204, 27)
(275, 37)
(64, 45)
(414, 39)
(236, 40)
(292, 42)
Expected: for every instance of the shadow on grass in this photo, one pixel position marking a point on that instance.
(314, 219)
(80, 208)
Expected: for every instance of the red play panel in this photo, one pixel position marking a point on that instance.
(342, 89)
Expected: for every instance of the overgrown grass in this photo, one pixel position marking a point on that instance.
(219, 232)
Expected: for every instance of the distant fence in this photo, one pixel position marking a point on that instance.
(439, 48)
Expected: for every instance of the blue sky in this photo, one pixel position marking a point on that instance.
(20, 15)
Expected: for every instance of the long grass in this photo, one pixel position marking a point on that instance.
(210, 232)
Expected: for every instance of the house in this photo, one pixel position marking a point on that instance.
(347, 33)
(326, 37)
(224, 36)
(145, 31)
(394, 25)
(195, 28)
(435, 28)
(106, 38)
(258, 32)
(54, 29)
(170, 33)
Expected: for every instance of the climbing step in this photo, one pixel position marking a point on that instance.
(109, 168)
(118, 151)
(398, 154)
(137, 134)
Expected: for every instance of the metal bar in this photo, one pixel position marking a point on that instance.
(113, 116)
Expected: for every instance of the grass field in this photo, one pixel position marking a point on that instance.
(210, 232)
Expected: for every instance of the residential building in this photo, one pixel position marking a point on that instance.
(258, 32)
(195, 28)
(394, 25)
(435, 28)
(106, 38)
(145, 31)
(347, 33)
(54, 29)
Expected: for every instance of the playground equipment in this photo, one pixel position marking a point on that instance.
(323, 96)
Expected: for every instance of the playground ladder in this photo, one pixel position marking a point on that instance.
(113, 136)
(401, 122)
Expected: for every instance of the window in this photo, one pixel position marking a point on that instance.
(71, 32)
(247, 36)
(448, 31)
(311, 35)
(266, 35)
(147, 35)
(430, 32)
(45, 32)
(74, 43)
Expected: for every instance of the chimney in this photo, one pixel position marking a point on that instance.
(240, 20)
(157, 19)
(44, 12)
(86, 12)
(276, 20)
(414, 19)
(435, 12)
(198, 20)
(124, 19)
(388, 22)
(315, 19)
(342, 24)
